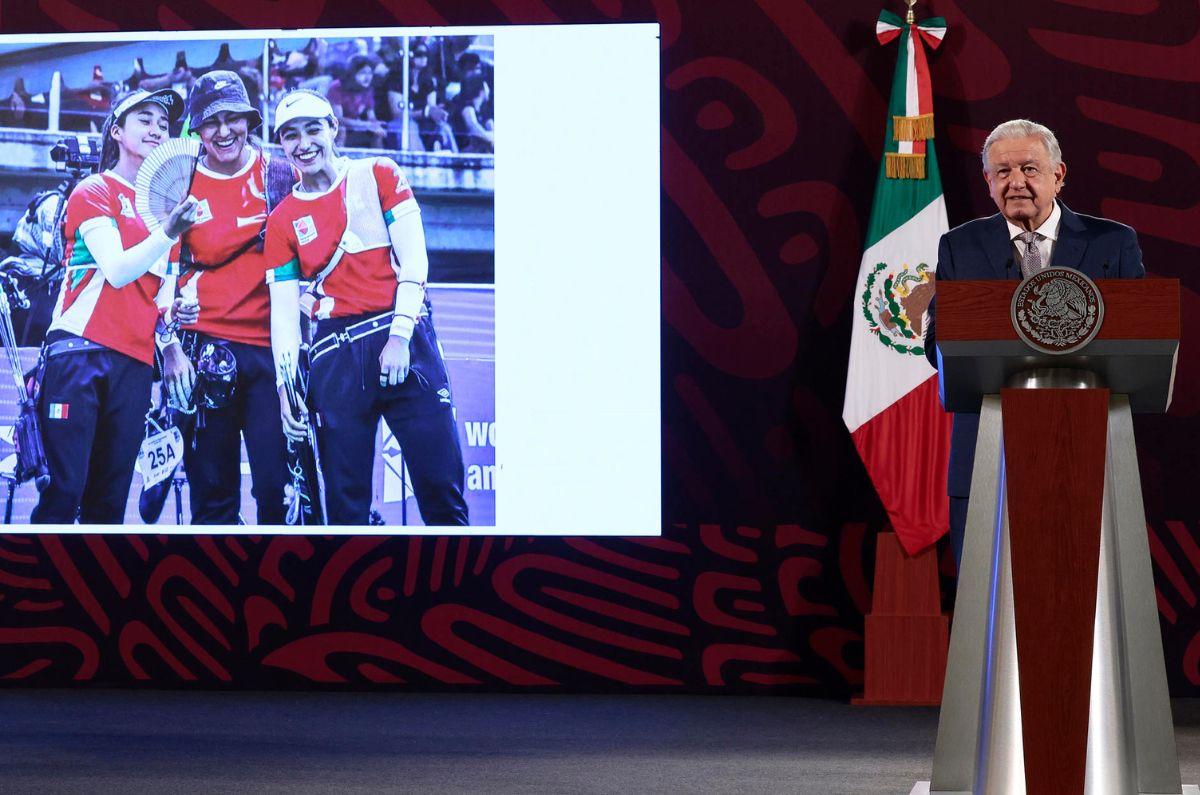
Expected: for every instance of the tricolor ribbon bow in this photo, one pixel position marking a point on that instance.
(910, 120)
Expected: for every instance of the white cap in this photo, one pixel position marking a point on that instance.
(301, 104)
(166, 98)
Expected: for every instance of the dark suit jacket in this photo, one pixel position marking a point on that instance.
(982, 249)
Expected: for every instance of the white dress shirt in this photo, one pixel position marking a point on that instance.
(1047, 234)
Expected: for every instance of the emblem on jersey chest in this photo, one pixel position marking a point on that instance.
(306, 229)
(126, 206)
(203, 212)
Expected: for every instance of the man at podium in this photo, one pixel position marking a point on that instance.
(1025, 172)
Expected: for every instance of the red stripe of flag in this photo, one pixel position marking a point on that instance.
(893, 444)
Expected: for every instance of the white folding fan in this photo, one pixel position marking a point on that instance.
(164, 179)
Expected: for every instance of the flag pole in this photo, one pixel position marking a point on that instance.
(892, 408)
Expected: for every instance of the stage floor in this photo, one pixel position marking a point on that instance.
(88, 741)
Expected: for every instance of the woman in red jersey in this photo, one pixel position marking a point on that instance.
(99, 351)
(353, 227)
(222, 269)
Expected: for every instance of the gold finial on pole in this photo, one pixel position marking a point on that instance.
(911, 18)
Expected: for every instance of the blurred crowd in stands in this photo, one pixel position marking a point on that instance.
(443, 104)
(428, 93)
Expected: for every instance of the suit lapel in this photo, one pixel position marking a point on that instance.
(1071, 243)
(999, 249)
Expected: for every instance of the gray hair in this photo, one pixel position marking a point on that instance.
(1019, 128)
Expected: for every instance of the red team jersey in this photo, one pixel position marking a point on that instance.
(304, 231)
(121, 319)
(234, 301)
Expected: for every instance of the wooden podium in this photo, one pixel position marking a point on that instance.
(1055, 681)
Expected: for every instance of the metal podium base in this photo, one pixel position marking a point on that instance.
(922, 788)
(1131, 737)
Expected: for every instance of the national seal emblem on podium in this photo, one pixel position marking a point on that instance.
(1057, 310)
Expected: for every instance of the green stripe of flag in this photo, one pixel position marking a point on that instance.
(897, 200)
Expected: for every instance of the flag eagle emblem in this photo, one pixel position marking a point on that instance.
(894, 301)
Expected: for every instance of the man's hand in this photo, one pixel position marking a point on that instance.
(394, 362)
(294, 428)
(186, 312)
(179, 375)
(181, 218)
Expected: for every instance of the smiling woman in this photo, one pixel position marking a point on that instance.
(223, 135)
(223, 271)
(95, 386)
(354, 229)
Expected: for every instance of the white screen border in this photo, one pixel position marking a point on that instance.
(577, 208)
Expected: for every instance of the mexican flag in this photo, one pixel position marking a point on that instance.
(892, 408)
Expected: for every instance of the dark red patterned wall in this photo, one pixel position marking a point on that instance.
(772, 122)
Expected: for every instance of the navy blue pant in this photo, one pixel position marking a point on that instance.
(92, 407)
(347, 402)
(214, 462)
(958, 527)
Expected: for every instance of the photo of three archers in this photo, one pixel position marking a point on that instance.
(213, 288)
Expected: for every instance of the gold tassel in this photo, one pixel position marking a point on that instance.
(912, 128)
(898, 165)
